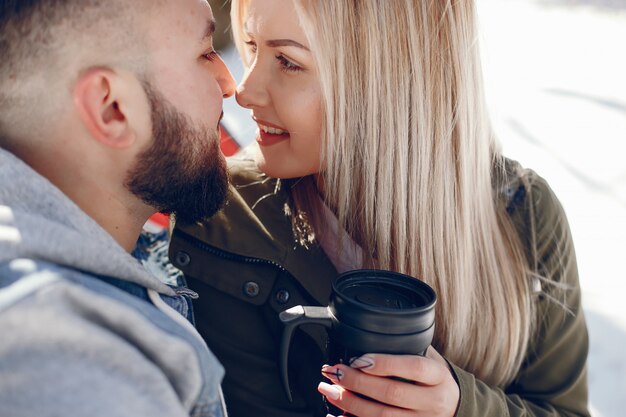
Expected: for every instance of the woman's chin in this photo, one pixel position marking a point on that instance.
(259, 160)
(269, 169)
(281, 167)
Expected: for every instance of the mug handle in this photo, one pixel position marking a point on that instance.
(292, 318)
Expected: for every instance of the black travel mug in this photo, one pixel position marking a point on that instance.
(370, 311)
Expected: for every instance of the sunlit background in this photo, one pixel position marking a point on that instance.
(556, 83)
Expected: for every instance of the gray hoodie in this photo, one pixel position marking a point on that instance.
(84, 329)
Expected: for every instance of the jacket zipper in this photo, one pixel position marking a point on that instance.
(249, 260)
(232, 256)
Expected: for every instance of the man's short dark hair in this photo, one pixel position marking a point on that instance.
(46, 42)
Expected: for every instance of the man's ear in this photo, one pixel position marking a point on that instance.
(99, 101)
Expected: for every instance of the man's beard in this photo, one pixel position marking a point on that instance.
(183, 172)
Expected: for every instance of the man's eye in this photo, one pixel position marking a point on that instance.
(211, 56)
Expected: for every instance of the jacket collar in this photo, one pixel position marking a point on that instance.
(254, 225)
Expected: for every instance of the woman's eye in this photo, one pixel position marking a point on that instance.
(251, 46)
(287, 65)
(211, 56)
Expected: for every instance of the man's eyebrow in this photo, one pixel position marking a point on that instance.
(210, 29)
(285, 42)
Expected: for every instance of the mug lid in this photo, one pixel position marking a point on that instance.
(383, 302)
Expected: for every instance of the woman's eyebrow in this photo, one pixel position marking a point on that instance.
(274, 43)
(285, 42)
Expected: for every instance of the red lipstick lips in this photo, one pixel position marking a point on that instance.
(269, 133)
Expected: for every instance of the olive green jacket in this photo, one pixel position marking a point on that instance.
(247, 267)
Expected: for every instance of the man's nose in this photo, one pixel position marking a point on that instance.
(226, 81)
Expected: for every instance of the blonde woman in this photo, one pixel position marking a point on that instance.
(371, 113)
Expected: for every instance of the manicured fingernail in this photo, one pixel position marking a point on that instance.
(329, 391)
(362, 362)
(332, 373)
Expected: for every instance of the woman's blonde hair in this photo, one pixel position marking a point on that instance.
(410, 166)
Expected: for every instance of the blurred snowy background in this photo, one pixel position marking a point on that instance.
(556, 82)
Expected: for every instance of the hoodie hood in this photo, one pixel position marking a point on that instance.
(38, 221)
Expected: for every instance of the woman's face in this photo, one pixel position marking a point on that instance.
(281, 88)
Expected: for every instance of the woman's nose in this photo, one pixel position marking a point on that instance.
(252, 91)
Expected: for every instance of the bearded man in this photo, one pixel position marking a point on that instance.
(109, 113)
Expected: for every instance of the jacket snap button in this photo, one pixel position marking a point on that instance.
(183, 258)
(282, 296)
(251, 289)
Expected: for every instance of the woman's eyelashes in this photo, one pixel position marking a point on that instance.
(251, 46)
(285, 64)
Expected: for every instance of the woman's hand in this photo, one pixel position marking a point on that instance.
(430, 389)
